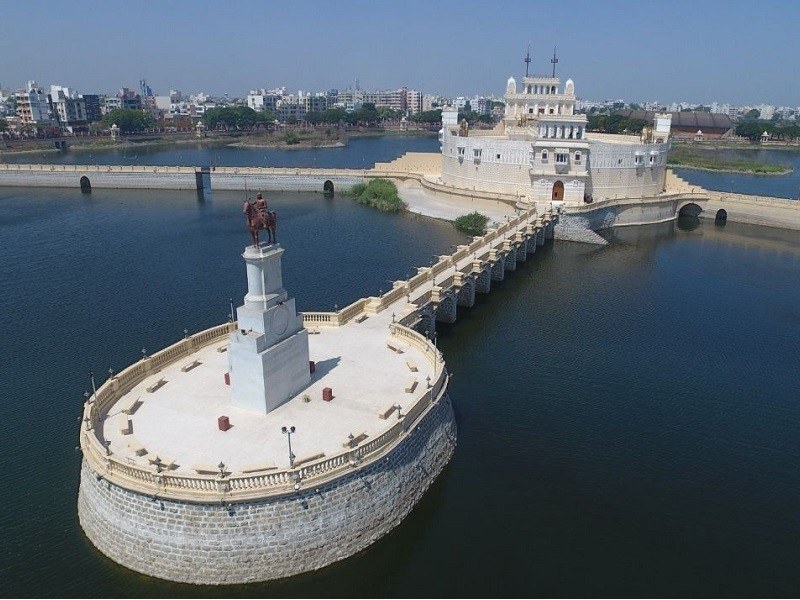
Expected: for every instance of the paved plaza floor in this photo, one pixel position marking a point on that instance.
(178, 421)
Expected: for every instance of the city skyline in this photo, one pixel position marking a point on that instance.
(669, 55)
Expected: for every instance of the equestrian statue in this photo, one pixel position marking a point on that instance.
(258, 218)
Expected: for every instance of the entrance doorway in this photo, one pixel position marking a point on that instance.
(558, 190)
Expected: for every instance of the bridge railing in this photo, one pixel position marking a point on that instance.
(233, 486)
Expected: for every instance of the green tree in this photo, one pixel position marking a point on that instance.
(427, 116)
(236, 117)
(128, 120)
(753, 114)
(3, 124)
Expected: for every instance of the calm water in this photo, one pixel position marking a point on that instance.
(781, 186)
(359, 153)
(628, 416)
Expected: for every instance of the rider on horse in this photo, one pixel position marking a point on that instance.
(258, 217)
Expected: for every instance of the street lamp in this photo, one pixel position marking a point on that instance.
(94, 387)
(289, 431)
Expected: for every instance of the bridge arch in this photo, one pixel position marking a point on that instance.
(327, 188)
(690, 209)
(86, 185)
(721, 217)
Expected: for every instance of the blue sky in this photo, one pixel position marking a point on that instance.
(737, 51)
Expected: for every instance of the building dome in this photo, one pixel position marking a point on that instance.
(511, 86)
(569, 87)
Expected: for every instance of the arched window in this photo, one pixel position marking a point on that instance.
(544, 155)
(578, 157)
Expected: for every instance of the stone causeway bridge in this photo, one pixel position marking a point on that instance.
(435, 292)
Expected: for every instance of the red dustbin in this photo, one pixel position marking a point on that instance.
(224, 423)
(312, 366)
(227, 378)
(327, 394)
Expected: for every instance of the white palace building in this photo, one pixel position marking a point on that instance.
(541, 150)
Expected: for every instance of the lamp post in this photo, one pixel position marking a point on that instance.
(289, 431)
(94, 387)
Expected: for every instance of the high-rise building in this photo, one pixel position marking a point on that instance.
(33, 106)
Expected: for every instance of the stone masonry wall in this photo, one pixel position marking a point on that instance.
(268, 539)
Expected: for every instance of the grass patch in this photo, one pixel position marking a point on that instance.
(684, 157)
(380, 193)
(473, 224)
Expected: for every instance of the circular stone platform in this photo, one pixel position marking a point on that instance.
(169, 490)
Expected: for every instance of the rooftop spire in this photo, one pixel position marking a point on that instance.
(528, 59)
(554, 60)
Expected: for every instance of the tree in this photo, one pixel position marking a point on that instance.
(237, 117)
(427, 116)
(128, 120)
(3, 124)
(753, 114)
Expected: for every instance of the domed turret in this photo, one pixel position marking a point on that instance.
(569, 88)
(511, 86)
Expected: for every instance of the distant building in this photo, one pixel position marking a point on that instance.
(68, 108)
(110, 103)
(413, 102)
(129, 99)
(144, 89)
(33, 106)
(91, 103)
(263, 100)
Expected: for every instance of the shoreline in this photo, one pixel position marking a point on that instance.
(341, 141)
(784, 171)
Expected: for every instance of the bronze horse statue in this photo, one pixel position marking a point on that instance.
(261, 219)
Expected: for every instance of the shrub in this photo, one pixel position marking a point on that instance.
(473, 224)
(380, 193)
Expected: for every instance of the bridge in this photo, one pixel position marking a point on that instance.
(436, 292)
(202, 179)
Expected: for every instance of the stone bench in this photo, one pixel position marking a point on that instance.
(131, 406)
(361, 318)
(412, 366)
(394, 347)
(307, 458)
(387, 412)
(126, 427)
(357, 439)
(136, 447)
(258, 468)
(223, 348)
(152, 388)
(411, 385)
(190, 366)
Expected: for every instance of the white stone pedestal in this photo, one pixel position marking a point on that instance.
(268, 353)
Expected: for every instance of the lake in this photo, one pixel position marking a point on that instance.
(628, 416)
